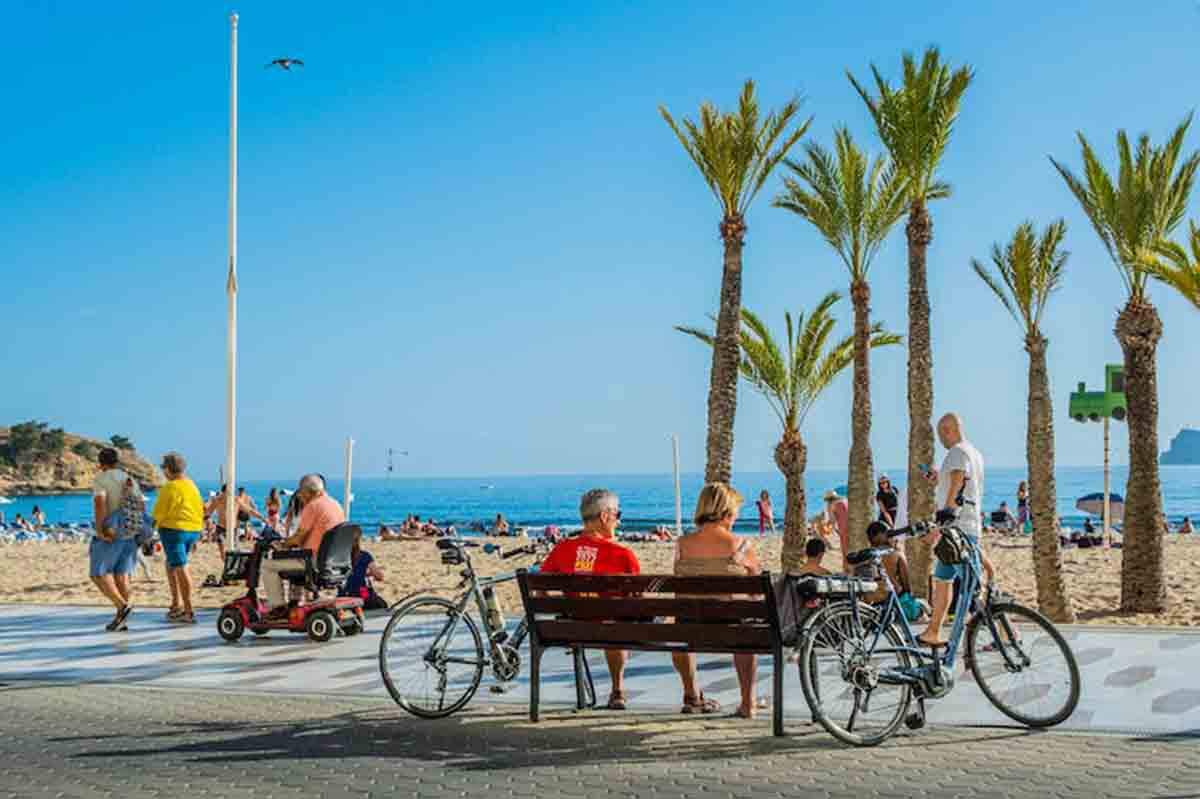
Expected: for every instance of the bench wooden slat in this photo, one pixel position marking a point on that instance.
(729, 610)
(644, 584)
(747, 637)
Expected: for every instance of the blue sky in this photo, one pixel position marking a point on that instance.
(467, 233)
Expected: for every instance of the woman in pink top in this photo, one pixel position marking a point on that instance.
(766, 515)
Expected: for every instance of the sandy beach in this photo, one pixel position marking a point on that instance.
(57, 574)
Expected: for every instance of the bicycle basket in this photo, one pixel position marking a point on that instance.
(951, 548)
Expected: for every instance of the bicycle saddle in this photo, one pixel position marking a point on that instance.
(864, 555)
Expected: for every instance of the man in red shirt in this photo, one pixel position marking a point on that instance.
(594, 551)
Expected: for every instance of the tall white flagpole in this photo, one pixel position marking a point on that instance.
(678, 496)
(349, 498)
(231, 290)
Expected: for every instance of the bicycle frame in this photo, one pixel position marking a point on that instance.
(892, 613)
(475, 586)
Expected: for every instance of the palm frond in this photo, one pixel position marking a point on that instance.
(1134, 213)
(737, 151)
(1027, 270)
(915, 120)
(792, 382)
(1176, 267)
(852, 202)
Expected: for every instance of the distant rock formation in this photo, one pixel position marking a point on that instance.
(62, 463)
(1184, 451)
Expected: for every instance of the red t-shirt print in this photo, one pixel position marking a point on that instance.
(591, 555)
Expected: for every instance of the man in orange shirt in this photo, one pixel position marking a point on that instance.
(320, 515)
(594, 551)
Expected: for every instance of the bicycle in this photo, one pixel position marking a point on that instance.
(861, 692)
(436, 679)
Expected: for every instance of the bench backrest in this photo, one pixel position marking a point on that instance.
(715, 614)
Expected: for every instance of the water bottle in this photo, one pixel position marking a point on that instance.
(495, 617)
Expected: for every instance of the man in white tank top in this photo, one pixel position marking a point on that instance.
(959, 488)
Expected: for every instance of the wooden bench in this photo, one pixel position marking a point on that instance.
(724, 614)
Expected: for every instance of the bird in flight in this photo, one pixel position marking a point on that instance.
(286, 64)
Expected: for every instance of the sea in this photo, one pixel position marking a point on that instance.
(646, 500)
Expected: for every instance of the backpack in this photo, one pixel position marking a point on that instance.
(133, 509)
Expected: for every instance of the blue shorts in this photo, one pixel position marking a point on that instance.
(947, 572)
(112, 557)
(177, 545)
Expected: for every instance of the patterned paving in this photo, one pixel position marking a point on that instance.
(1134, 681)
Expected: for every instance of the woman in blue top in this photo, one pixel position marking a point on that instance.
(364, 569)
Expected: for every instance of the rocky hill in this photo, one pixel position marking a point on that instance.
(1185, 449)
(38, 460)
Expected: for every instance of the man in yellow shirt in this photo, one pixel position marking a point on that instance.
(179, 517)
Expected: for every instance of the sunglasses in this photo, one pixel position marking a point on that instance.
(616, 513)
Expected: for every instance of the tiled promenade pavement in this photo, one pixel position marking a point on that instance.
(1133, 682)
(130, 743)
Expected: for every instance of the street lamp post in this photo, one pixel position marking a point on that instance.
(231, 288)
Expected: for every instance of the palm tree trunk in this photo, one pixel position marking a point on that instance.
(862, 471)
(791, 456)
(723, 380)
(920, 392)
(1143, 587)
(1052, 596)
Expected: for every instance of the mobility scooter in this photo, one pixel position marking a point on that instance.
(321, 618)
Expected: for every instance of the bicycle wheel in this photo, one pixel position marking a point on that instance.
(841, 679)
(1041, 686)
(431, 657)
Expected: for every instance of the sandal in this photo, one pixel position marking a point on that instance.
(699, 704)
(174, 613)
(616, 701)
(184, 618)
(923, 641)
(743, 713)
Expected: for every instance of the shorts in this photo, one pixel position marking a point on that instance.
(112, 557)
(946, 572)
(177, 545)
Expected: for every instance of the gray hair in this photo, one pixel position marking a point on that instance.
(594, 502)
(311, 482)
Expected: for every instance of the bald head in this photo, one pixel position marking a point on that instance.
(950, 430)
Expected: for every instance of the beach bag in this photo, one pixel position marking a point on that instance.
(951, 548)
(132, 522)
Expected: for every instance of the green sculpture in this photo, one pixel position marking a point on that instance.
(1094, 406)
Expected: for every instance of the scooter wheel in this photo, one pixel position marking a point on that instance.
(321, 626)
(230, 624)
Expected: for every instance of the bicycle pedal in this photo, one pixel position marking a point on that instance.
(914, 721)
(499, 689)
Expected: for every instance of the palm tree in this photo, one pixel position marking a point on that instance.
(1177, 269)
(1133, 216)
(914, 122)
(853, 203)
(1027, 271)
(791, 381)
(735, 153)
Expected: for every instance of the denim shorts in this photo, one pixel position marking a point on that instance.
(112, 557)
(177, 545)
(947, 572)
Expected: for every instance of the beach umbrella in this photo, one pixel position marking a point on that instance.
(1094, 504)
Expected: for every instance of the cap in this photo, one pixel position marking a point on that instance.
(832, 496)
